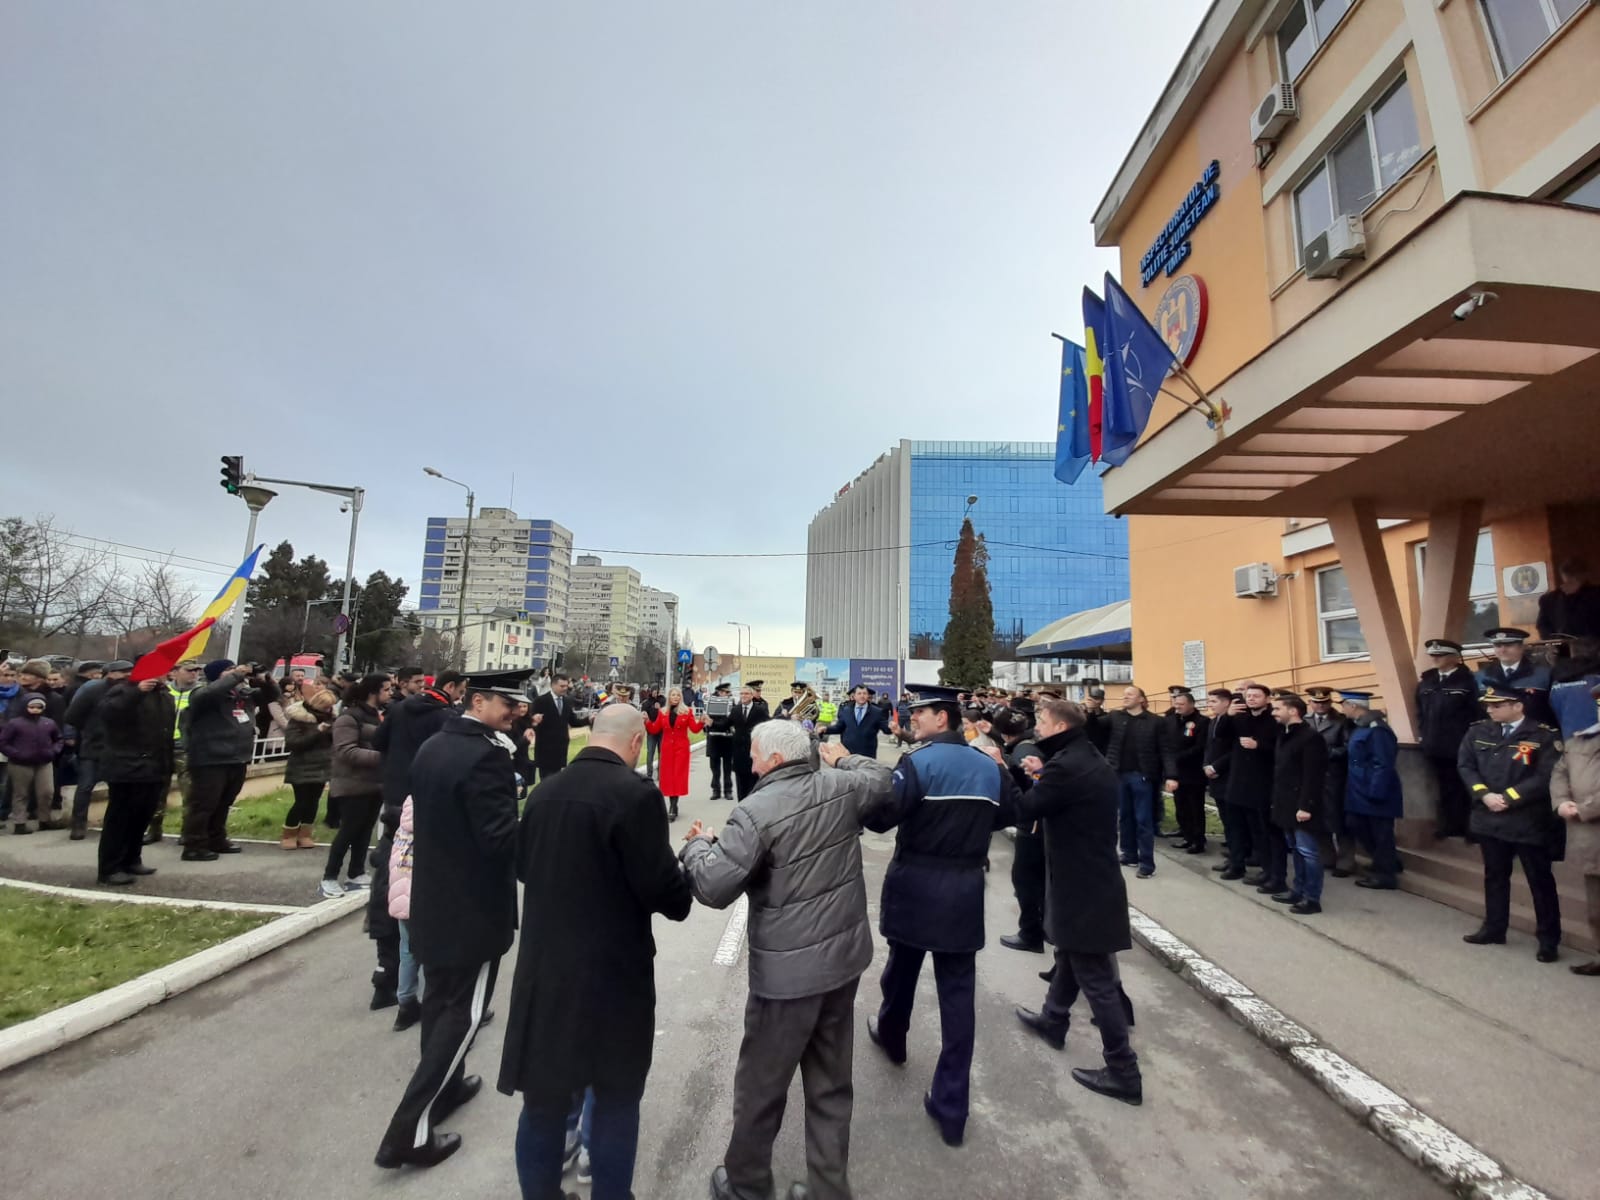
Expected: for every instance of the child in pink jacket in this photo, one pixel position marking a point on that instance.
(400, 909)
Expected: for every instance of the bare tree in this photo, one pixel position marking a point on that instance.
(156, 600)
(52, 585)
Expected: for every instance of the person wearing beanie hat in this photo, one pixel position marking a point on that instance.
(219, 735)
(29, 743)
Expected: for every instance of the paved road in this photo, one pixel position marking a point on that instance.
(275, 1082)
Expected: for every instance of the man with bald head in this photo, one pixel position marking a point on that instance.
(594, 859)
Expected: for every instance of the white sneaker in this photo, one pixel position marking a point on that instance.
(331, 890)
(360, 881)
(583, 1167)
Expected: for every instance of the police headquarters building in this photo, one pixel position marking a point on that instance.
(1052, 548)
(1371, 229)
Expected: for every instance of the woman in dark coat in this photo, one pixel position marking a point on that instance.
(356, 782)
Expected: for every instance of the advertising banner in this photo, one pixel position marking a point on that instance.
(829, 677)
(882, 675)
(775, 675)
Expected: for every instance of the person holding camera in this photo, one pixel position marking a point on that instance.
(220, 734)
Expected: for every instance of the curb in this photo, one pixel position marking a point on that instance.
(88, 894)
(1450, 1159)
(93, 1013)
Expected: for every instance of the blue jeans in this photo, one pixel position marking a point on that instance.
(1307, 851)
(580, 1121)
(410, 969)
(613, 1144)
(1138, 819)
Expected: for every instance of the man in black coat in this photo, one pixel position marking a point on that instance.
(747, 714)
(1447, 706)
(1219, 753)
(83, 717)
(948, 800)
(1338, 847)
(463, 906)
(407, 724)
(1189, 731)
(1076, 797)
(1299, 802)
(1139, 750)
(719, 741)
(554, 717)
(594, 859)
(1252, 737)
(135, 759)
(859, 723)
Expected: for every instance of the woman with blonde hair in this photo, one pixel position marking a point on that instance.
(308, 737)
(673, 724)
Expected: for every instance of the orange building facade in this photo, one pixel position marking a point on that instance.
(1401, 281)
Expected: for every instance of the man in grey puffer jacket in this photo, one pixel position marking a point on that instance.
(794, 846)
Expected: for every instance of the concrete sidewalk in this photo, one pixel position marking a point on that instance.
(1497, 1046)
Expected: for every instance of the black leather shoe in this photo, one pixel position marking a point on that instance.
(1224, 865)
(1548, 954)
(1306, 908)
(1482, 937)
(469, 1087)
(229, 848)
(1269, 889)
(1128, 1090)
(80, 830)
(151, 837)
(1288, 898)
(382, 998)
(139, 869)
(1195, 848)
(1054, 1033)
(1255, 880)
(1048, 976)
(1013, 941)
(1377, 885)
(877, 1040)
(410, 1013)
(199, 856)
(952, 1137)
(1233, 874)
(430, 1154)
(116, 879)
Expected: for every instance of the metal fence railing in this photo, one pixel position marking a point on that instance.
(268, 749)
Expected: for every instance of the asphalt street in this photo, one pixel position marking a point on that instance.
(276, 1081)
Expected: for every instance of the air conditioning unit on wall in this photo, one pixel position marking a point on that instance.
(1330, 252)
(1253, 581)
(1273, 114)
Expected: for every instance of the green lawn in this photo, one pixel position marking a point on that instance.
(55, 951)
(261, 817)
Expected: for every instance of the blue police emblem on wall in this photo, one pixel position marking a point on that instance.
(1180, 317)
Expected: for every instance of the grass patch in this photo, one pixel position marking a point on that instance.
(55, 951)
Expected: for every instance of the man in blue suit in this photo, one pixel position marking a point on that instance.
(859, 723)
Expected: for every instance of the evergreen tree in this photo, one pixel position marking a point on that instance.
(969, 637)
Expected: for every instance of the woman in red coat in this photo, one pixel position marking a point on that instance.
(674, 723)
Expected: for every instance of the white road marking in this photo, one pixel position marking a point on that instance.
(732, 942)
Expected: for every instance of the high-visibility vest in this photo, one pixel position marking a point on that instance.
(180, 701)
(829, 712)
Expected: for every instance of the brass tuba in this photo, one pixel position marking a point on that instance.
(807, 708)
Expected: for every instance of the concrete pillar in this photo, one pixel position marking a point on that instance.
(1360, 544)
(1447, 576)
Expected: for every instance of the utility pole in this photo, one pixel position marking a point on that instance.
(257, 498)
(466, 552)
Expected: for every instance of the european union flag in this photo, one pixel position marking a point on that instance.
(1137, 362)
(1072, 421)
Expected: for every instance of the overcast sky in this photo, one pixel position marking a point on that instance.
(682, 270)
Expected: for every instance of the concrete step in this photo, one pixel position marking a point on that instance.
(1468, 898)
(1456, 863)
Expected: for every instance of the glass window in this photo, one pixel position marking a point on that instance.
(1371, 158)
(1329, 13)
(1353, 186)
(1340, 628)
(1519, 27)
(1306, 25)
(1482, 610)
(1586, 192)
(1313, 206)
(1394, 129)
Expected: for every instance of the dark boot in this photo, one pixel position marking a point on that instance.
(432, 1152)
(672, 814)
(1054, 1033)
(1128, 1089)
(80, 830)
(410, 1013)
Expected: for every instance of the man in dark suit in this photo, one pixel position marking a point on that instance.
(554, 717)
(464, 906)
(747, 714)
(594, 859)
(860, 722)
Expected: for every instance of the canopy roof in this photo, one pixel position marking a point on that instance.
(1104, 628)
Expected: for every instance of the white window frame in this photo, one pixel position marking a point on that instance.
(1592, 175)
(1316, 43)
(1325, 165)
(1419, 552)
(1553, 20)
(1324, 617)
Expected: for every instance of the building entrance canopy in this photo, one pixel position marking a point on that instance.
(1402, 392)
(1107, 629)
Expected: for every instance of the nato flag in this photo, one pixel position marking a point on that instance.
(1072, 421)
(1137, 362)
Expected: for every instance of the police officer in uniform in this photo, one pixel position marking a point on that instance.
(1447, 706)
(719, 745)
(1335, 730)
(1513, 670)
(948, 800)
(463, 907)
(1506, 763)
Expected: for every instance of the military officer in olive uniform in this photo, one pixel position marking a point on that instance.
(948, 800)
(1512, 669)
(1506, 763)
(1447, 706)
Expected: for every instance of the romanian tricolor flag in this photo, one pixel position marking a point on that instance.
(192, 643)
(1094, 323)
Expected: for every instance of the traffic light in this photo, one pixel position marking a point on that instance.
(232, 473)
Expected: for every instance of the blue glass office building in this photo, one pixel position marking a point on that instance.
(1052, 549)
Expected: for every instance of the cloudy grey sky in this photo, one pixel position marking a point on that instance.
(683, 270)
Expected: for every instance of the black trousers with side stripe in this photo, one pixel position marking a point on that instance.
(453, 1005)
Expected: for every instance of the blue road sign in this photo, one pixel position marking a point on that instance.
(685, 657)
(615, 662)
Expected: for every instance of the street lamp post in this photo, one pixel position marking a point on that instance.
(741, 641)
(672, 640)
(257, 498)
(466, 551)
